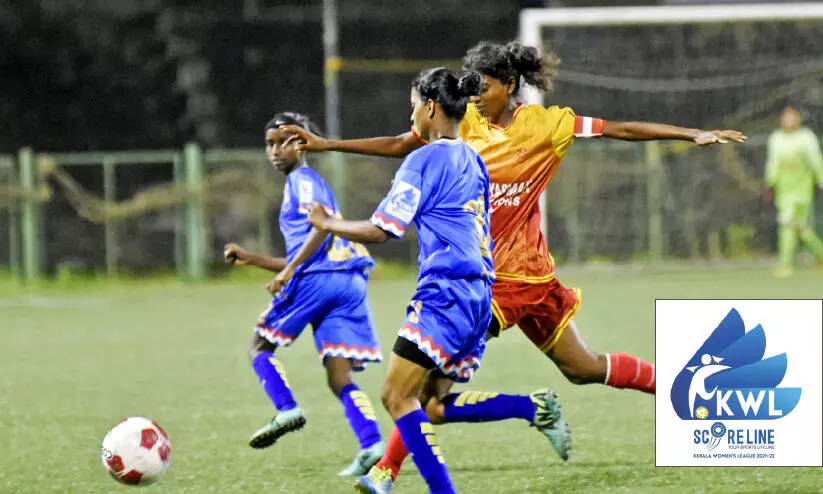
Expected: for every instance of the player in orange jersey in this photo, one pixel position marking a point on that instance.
(522, 146)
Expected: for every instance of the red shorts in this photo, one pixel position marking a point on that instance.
(542, 311)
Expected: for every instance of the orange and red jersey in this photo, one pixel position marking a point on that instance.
(522, 159)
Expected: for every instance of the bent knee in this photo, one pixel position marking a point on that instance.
(394, 400)
(337, 381)
(436, 411)
(388, 397)
(592, 370)
(259, 345)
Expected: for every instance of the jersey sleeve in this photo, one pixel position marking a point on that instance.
(815, 157)
(403, 202)
(570, 126)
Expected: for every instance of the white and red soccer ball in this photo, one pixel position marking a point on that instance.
(136, 451)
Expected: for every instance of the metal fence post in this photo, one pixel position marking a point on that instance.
(14, 222)
(31, 238)
(109, 195)
(195, 230)
(179, 222)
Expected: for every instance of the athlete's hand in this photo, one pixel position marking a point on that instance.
(275, 286)
(234, 254)
(708, 137)
(318, 216)
(304, 140)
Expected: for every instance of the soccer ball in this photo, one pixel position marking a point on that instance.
(136, 451)
(702, 412)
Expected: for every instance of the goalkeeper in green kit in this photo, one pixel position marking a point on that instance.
(794, 170)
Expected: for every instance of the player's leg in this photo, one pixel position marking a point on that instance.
(441, 406)
(426, 340)
(540, 408)
(583, 366)
(786, 240)
(810, 239)
(360, 414)
(408, 370)
(272, 376)
(550, 326)
(279, 326)
(346, 340)
(396, 451)
(270, 373)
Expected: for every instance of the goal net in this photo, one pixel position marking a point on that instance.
(705, 66)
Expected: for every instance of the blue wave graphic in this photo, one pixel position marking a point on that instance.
(729, 376)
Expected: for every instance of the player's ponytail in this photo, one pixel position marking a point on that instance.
(293, 118)
(513, 62)
(449, 89)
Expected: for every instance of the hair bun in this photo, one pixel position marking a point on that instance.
(469, 84)
(524, 59)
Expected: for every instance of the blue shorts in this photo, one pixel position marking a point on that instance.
(335, 305)
(447, 320)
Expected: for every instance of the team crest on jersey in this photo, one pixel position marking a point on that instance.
(305, 192)
(521, 155)
(404, 201)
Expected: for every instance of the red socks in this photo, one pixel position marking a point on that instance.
(395, 454)
(627, 371)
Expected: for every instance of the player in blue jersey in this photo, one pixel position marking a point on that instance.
(443, 189)
(322, 282)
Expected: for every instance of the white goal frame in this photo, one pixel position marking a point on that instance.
(532, 21)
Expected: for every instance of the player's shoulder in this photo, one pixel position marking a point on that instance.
(808, 133)
(472, 114)
(544, 117)
(306, 174)
(540, 111)
(776, 135)
(417, 159)
(307, 184)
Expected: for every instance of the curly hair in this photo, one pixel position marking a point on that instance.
(514, 61)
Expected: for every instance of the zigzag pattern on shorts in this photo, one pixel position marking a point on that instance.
(274, 335)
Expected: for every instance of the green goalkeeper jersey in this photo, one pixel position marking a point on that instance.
(794, 164)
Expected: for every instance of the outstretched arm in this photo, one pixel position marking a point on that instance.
(647, 131)
(356, 231)
(236, 255)
(396, 147)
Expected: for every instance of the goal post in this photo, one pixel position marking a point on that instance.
(533, 21)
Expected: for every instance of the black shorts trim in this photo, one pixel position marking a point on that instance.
(495, 326)
(406, 349)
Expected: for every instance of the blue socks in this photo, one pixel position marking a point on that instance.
(272, 377)
(477, 406)
(418, 436)
(360, 413)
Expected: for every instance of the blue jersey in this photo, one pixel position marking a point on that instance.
(443, 189)
(303, 187)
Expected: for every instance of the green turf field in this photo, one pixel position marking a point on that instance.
(73, 362)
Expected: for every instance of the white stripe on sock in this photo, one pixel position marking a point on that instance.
(608, 368)
(587, 126)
